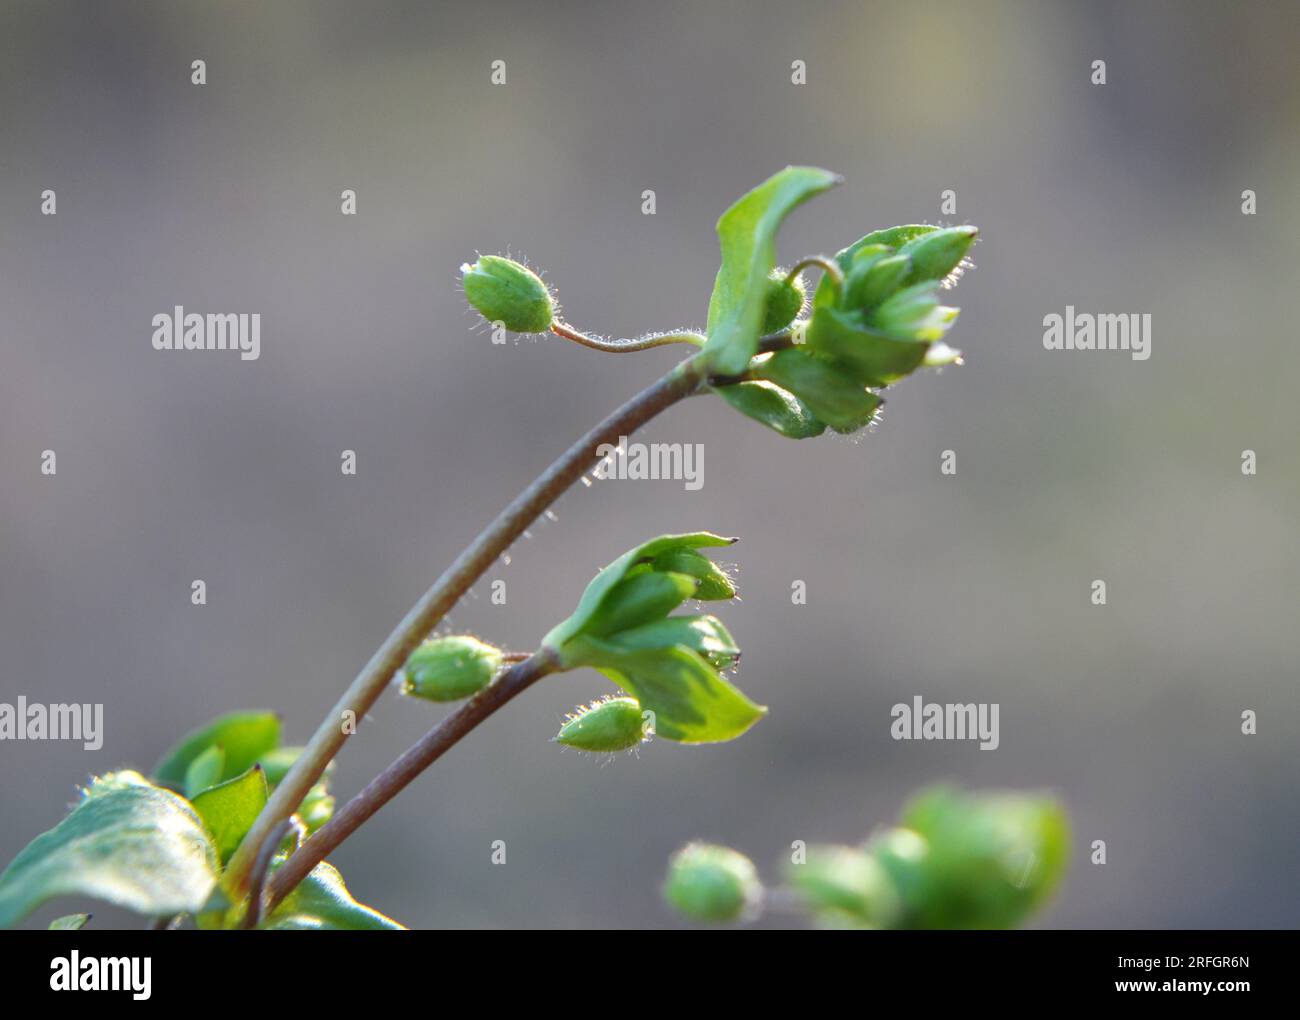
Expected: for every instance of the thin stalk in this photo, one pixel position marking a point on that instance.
(389, 783)
(684, 380)
(624, 346)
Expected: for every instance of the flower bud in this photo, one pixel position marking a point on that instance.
(783, 301)
(838, 880)
(875, 280)
(936, 254)
(713, 582)
(450, 668)
(712, 883)
(610, 724)
(503, 290)
(640, 598)
(914, 313)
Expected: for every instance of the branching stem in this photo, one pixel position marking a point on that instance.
(685, 379)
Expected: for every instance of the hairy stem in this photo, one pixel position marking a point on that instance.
(389, 783)
(468, 567)
(623, 346)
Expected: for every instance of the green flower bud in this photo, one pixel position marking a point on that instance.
(503, 290)
(712, 883)
(783, 301)
(875, 281)
(938, 253)
(776, 408)
(836, 880)
(713, 582)
(610, 724)
(914, 313)
(450, 668)
(642, 596)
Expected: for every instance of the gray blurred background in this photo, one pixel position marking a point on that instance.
(1070, 466)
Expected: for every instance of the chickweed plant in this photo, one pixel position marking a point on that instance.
(231, 829)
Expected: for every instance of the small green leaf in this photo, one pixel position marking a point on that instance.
(776, 408)
(228, 810)
(602, 584)
(244, 736)
(128, 842)
(204, 771)
(692, 703)
(321, 902)
(829, 391)
(69, 922)
(747, 233)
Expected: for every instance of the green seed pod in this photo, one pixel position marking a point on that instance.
(938, 253)
(783, 301)
(450, 668)
(714, 584)
(876, 282)
(712, 883)
(610, 724)
(503, 290)
(837, 880)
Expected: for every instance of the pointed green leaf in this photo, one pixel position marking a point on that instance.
(776, 408)
(747, 234)
(228, 810)
(829, 391)
(873, 359)
(204, 771)
(244, 736)
(611, 575)
(128, 842)
(69, 922)
(692, 703)
(321, 902)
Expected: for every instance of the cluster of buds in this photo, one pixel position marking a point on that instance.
(954, 861)
(876, 317)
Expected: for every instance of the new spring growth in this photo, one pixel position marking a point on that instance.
(669, 664)
(712, 883)
(503, 290)
(451, 668)
(608, 724)
(955, 860)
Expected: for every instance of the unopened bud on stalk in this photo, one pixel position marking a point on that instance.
(610, 724)
(450, 668)
(712, 883)
(938, 253)
(783, 302)
(505, 291)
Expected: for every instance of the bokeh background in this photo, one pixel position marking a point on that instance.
(1070, 466)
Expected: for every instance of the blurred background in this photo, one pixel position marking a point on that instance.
(1070, 466)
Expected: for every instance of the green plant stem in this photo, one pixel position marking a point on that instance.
(684, 380)
(389, 783)
(645, 343)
